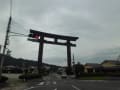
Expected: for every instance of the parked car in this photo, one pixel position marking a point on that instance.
(64, 76)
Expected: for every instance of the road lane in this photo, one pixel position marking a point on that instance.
(41, 83)
(29, 88)
(53, 83)
(76, 88)
(55, 89)
(96, 85)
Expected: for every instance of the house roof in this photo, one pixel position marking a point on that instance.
(116, 62)
(95, 65)
(10, 66)
(112, 68)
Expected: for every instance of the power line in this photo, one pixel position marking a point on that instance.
(18, 34)
(28, 24)
(16, 24)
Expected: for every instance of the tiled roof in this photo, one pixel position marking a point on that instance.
(112, 61)
(95, 65)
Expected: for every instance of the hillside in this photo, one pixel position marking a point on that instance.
(19, 62)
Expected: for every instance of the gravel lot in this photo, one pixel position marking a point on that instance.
(13, 83)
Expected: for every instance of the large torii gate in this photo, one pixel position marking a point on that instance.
(37, 36)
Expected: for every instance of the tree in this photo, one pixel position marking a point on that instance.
(79, 69)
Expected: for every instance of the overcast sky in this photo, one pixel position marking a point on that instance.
(95, 22)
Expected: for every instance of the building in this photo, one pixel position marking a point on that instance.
(92, 67)
(111, 66)
(105, 66)
(12, 69)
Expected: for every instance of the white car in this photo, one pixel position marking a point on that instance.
(63, 76)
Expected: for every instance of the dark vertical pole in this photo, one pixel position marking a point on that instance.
(5, 45)
(73, 67)
(69, 56)
(40, 53)
(73, 60)
(0, 48)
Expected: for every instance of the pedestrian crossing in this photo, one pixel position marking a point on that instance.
(41, 84)
(47, 83)
(103, 81)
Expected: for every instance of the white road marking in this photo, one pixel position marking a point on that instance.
(54, 82)
(41, 83)
(47, 83)
(55, 89)
(32, 88)
(94, 80)
(76, 88)
(29, 88)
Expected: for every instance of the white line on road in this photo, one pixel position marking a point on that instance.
(55, 89)
(47, 83)
(94, 80)
(41, 83)
(54, 82)
(76, 88)
(29, 88)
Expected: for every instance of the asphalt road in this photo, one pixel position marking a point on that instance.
(54, 82)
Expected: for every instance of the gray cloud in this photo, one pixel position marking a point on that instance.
(95, 22)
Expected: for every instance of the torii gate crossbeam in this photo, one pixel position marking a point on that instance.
(37, 36)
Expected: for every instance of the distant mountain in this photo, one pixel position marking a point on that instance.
(19, 62)
(108, 54)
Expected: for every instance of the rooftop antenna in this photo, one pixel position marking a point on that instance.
(73, 60)
(118, 58)
(0, 48)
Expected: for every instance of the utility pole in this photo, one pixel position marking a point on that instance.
(73, 67)
(118, 58)
(8, 52)
(0, 48)
(6, 42)
(73, 60)
(5, 45)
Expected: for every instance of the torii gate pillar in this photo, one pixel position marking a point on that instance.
(40, 54)
(69, 55)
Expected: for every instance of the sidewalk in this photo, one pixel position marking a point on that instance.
(13, 83)
(113, 78)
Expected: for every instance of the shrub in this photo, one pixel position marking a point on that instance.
(29, 76)
(3, 79)
(100, 74)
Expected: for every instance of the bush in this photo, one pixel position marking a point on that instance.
(69, 71)
(79, 68)
(3, 79)
(29, 76)
(100, 74)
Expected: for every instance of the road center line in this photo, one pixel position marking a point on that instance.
(54, 82)
(41, 83)
(76, 88)
(47, 83)
(29, 88)
(55, 89)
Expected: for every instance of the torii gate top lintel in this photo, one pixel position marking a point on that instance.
(49, 35)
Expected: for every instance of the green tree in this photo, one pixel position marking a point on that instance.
(79, 69)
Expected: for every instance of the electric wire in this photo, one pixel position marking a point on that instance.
(18, 34)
